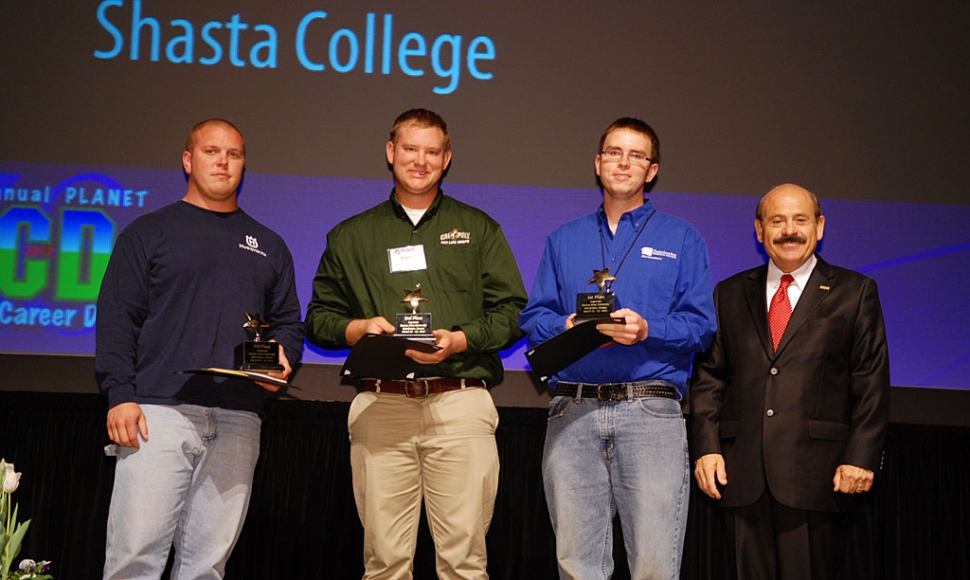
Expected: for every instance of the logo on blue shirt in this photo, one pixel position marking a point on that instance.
(655, 254)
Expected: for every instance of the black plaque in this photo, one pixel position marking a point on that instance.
(256, 354)
(414, 325)
(592, 305)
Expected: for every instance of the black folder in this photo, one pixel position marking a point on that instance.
(381, 356)
(565, 348)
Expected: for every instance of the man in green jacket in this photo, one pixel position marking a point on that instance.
(432, 437)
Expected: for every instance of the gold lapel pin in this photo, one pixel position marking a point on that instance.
(824, 287)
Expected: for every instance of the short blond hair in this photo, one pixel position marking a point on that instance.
(422, 118)
(194, 133)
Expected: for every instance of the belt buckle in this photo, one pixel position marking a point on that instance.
(416, 394)
(605, 392)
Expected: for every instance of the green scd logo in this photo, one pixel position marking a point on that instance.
(52, 260)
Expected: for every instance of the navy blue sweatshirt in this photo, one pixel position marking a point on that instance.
(174, 297)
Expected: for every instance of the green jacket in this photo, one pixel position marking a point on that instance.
(472, 281)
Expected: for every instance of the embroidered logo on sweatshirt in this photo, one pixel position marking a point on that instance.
(655, 254)
(454, 238)
(252, 244)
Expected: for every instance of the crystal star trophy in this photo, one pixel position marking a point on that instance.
(601, 304)
(257, 355)
(414, 325)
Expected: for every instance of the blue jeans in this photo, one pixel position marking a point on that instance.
(188, 485)
(627, 457)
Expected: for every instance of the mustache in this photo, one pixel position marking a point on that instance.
(788, 239)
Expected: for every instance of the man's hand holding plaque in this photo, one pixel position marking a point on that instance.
(379, 352)
(622, 326)
(263, 362)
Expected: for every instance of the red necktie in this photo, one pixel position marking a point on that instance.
(780, 310)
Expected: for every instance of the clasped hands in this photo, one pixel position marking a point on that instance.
(448, 342)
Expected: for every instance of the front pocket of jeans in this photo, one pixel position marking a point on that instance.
(558, 408)
(660, 407)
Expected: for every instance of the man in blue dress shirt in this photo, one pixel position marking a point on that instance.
(616, 440)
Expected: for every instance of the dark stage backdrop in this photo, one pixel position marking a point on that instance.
(302, 523)
(863, 104)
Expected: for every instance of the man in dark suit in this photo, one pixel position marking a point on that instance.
(787, 428)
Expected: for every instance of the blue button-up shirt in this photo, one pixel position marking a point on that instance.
(665, 277)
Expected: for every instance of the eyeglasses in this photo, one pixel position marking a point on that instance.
(635, 157)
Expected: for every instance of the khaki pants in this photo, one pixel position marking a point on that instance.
(440, 448)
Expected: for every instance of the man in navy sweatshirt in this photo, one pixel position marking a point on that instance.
(175, 296)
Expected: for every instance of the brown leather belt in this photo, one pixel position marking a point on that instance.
(419, 387)
(617, 391)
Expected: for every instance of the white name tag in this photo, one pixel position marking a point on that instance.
(406, 259)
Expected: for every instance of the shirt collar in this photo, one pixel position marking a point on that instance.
(800, 275)
(636, 215)
(432, 209)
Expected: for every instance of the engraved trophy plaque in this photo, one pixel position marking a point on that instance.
(590, 305)
(414, 325)
(257, 354)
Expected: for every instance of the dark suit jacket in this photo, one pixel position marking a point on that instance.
(789, 419)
